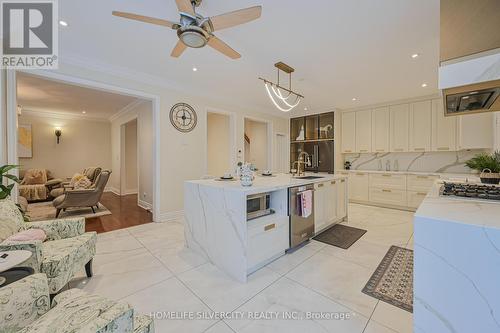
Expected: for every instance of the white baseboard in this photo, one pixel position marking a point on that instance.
(112, 189)
(144, 205)
(128, 192)
(171, 216)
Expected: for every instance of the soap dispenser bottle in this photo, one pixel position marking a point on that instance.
(388, 165)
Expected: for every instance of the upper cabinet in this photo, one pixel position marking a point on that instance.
(348, 132)
(364, 131)
(312, 128)
(475, 131)
(326, 123)
(399, 122)
(420, 126)
(444, 129)
(380, 130)
(297, 129)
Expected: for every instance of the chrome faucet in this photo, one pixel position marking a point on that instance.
(300, 160)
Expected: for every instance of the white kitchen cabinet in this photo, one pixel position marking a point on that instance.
(399, 117)
(388, 181)
(325, 205)
(415, 198)
(341, 198)
(387, 196)
(444, 129)
(475, 131)
(348, 132)
(358, 186)
(364, 131)
(421, 183)
(420, 126)
(380, 130)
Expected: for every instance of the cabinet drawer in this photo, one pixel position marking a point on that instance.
(415, 198)
(388, 196)
(267, 237)
(358, 186)
(388, 181)
(421, 183)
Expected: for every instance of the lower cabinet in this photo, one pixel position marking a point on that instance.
(388, 196)
(268, 237)
(415, 198)
(329, 203)
(341, 198)
(358, 186)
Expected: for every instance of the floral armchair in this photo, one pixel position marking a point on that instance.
(67, 249)
(25, 308)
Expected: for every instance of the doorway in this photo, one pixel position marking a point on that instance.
(129, 178)
(257, 142)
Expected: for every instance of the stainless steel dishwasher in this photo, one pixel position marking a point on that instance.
(301, 228)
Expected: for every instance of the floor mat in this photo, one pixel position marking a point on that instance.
(340, 235)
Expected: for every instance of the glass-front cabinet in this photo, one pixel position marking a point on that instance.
(314, 135)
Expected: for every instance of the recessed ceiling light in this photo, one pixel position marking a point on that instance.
(354, 99)
(415, 55)
(305, 109)
(63, 23)
(424, 85)
(195, 69)
(84, 112)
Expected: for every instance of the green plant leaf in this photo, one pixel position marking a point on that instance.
(8, 167)
(12, 177)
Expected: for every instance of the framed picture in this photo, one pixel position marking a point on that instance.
(24, 142)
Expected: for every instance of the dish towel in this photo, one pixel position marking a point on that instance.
(307, 203)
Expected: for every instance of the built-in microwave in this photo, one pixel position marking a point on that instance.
(258, 205)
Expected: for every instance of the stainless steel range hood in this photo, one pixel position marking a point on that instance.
(471, 85)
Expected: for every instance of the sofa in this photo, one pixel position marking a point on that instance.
(25, 308)
(67, 249)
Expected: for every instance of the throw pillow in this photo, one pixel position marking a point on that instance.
(28, 235)
(80, 181)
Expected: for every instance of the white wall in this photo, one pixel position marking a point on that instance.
(218, 144)
(140, 113)
(182, 155)
(497, 131)
(131, 157)
(3, 118)
(83, 143)
(257, 151)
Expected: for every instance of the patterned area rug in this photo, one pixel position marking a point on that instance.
(42, 211)
(340, 235)
(392, 281)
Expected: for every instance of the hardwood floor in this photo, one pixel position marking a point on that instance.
(124, 213)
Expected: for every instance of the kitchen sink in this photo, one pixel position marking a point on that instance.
(309, 177)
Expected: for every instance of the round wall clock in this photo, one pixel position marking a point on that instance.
(183, 117)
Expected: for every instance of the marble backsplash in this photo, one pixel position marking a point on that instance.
(443, 162)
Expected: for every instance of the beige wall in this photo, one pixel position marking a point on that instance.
(218, 144)
(182, 156)
(497, 131)
(130, 156)
(257, 151)
(83, 143)
(141, 111)
(3, 119)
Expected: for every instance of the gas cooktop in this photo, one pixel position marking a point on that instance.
(472, 191)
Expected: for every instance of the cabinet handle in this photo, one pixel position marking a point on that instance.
(421, 193)
(342, 181)
(386, 175)
(419, 149)
(347, 151)
(363, 150)
(360, 174)
(320, 185)
(270, 227)
(443, 148)
(380, 150)
(399, 149)
(386, 191)
(422, 177)
(333, 182)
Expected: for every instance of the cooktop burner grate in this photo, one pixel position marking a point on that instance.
(474, 191)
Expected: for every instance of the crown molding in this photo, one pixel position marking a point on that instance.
(60, 115)
(126, 109)
(396, 102)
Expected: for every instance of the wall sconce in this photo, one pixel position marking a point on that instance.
(58, 133)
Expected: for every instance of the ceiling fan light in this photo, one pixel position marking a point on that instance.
(193, 39)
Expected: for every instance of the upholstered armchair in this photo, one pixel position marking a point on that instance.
(67, 249)
(36, 184)
(25, 308)
(91, 173)
(83, 197)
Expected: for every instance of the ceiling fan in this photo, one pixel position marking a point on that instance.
(196, 31)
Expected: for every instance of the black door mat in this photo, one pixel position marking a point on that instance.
(340, 235)
(392, 281)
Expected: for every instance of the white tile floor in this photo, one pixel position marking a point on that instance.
(148, 267)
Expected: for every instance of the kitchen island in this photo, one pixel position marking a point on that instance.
(457, 264)
(217, 226)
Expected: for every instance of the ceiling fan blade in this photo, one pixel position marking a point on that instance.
(146, 19)
(223, 48)
(237, 17)
(178, 49)
(185, 6)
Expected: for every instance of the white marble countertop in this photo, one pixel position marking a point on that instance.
(268, 184)
(470, 176)
(476, 212)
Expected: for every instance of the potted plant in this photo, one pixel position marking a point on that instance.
(488, 166)
(5, 190)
